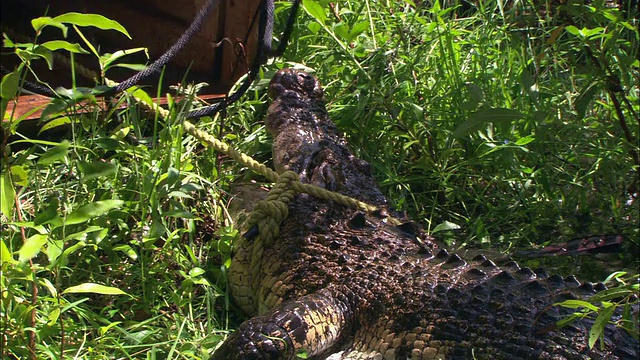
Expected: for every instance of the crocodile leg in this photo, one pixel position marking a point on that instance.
(308, 326)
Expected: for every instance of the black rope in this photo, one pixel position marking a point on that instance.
(31, 85)
(263, 53)
(288, 29)
(195, 26)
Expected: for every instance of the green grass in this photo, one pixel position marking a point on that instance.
(492, 127)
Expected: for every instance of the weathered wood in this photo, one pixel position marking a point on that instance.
(30, 107)
(157, 25)
(237, 56)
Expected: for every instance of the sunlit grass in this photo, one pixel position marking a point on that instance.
(492, 127)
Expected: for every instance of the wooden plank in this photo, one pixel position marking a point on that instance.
(238, 18)
(31, 106)
(157, 24)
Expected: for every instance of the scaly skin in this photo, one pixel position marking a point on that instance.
(341, 284)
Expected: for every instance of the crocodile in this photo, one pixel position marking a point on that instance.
(340, 283)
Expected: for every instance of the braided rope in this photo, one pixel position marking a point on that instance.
(318, 192)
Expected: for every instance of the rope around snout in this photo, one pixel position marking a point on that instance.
(272, 211)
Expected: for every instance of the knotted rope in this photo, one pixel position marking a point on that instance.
(271, 212)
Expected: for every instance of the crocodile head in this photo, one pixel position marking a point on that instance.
(307, 142)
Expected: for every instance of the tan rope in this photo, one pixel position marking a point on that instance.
(263, 170)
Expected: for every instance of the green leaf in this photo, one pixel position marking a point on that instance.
(103, 329)
(96, 169)
(134, 67)
(597, 330)
(82, 235)
(585, 97)
(196, 271)
(141, 94)
(54, 249)
(94, 20)
(613, 293)
(569, 319)
(342, 31)
(72, 249)
(315, 10)
(49, 286)
(55, 107)
(91, 210)
(31, 247)
(9, 85)
(180, 214)
(479, 119)
(107, 60)
(49, 213)
(41, 22)
(64, 45)
(445, 226)
(575, 304)
(54, 154)
(43, 52)
(53, 316)
(5, 254)
(19, 175)
(525, 140)
(60, 121)
(94, 289)
(358, 29)
(127, 250)
(7, 195)
(614, 275)
(573, 30)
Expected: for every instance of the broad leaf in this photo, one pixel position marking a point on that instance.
(315, 10)
(54, 154)
(55, 107)
(107, 60)
(54, 249)
(19, 176)
(7, 194)
(9, 85)
(445, 226)
(31, 247)
(94, 20)
(598, 326)
(96, 169)
(525, 140)
(49, 213)
(5, 254)
(39, 23)
(60, 121)
(94, 289)
(64, 45)
(91, 210)
(358, 29)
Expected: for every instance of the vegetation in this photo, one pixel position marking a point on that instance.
(494, 126)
